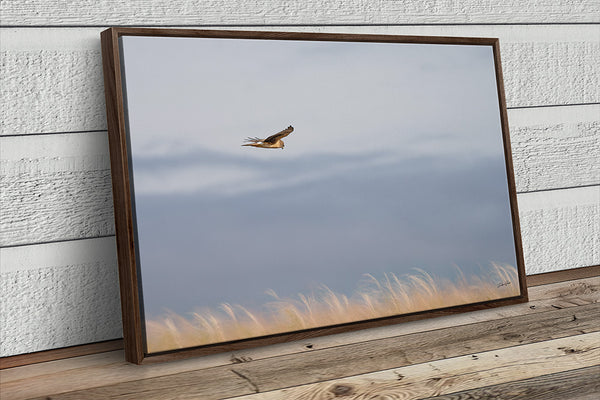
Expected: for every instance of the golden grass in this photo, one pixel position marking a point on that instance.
(374, 298)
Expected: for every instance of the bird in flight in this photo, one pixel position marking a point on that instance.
(272, 142)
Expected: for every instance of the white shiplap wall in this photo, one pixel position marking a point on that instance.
(59, 284)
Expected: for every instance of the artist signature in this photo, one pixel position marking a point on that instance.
(505, 283)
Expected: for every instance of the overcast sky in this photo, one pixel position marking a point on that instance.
(395, 163)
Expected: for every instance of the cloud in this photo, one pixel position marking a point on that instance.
(220, 174)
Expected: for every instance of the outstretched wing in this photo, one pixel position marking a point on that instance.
(279, 135)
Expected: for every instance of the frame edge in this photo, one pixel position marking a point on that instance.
(510, 173)
(132, 331)
(122, 195)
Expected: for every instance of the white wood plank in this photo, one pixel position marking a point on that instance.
(55, 187)
(221, 12)
(55, 74)
(453, 374)
(58, 295)
(560, 228)
(555, 147)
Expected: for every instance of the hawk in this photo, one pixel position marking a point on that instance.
(272, 142)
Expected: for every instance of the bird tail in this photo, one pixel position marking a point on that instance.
(252, 141)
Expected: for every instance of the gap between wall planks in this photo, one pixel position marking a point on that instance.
(522, 341)
(547, 278)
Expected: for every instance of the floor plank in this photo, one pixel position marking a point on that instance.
(57, 354)
(578, 384)
(110, 368)
(359, 358)
(463, 374)
(563, 275)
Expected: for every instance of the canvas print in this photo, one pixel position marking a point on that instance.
(287, 185)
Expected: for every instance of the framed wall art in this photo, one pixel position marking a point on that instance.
(273, 186)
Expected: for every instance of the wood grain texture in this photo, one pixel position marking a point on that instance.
(55, 187)
(466, 374)
(510, 172)
(555, 147)
(42, 66)
(562, 276)
(55, 307)
(58, 295)
(123, 199)
(253, 12)
(577, 384)
(63, 90)
(571, 245)
(59, 354)
(56, 206)
(110, 368)
(365, 357)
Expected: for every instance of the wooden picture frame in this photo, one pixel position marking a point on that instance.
(120, 111)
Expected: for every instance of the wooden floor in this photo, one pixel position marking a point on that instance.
(547, 349)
